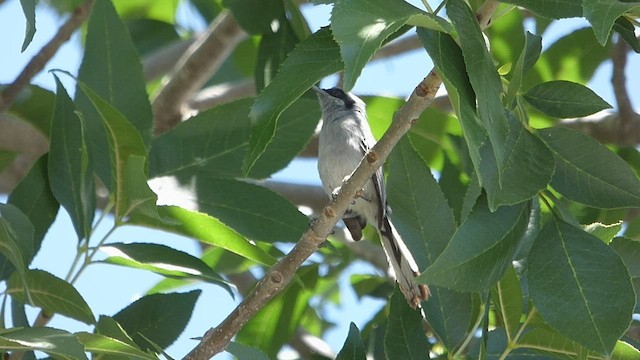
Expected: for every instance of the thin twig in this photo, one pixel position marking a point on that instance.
(203, 58)
(38, 62)
(619, 82)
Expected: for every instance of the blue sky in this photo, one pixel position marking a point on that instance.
(107, 290)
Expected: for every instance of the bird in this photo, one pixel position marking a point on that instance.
(345, 138)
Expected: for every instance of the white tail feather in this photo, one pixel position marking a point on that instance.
(402, 263)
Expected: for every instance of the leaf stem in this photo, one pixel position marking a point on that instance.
(427, 6)
(472, 332)
(513, 344)
(92, 253)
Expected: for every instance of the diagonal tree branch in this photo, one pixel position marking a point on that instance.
(203, 58)
(38, 62)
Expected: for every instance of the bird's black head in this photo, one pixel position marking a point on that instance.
(340, 94)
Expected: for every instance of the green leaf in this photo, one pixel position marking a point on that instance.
(602, 231)
(603, 14)
(162, 260)
(496, 345)
(100, 344)
(29, 9)
(450, 313)
(213, 142)
(453, 187)
(294, 130)
(159, 318)
(507, 296)
(405, 337)
(526, 171)
(629, 251)
(129, 165)
(547, 341)
(111, 67)
(316, 57)
(206, 229)
(528, 57)
(255, 17)
(361, 26)
(243, 352)
(353, 348)
(420, 211)
(624, 351)
(252, 210)
(51, 294)
(275, 324)
(483, 78)
(481, 249)
(588, 172)
(16, 239)
(426, 223)
(108, 327)
(448, 60)
(56, 343)
(626, 30)
(149, 35)
(137, 194)
(565, 99)
(571, 274)
(551, 8)
(35, 106)
(33, 197)
(296, 19)
(515, 165)
(151, 9)
(429, 135)
(507, 40)
(278, 39)
(70, 168)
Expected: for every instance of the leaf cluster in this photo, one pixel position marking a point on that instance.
(526, 231)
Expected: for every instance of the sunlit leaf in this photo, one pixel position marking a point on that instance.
(100, 344)
(111, 67)
(51, 294)
(56, 343)
(163, 260)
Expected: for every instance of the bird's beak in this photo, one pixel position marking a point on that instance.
(318, 90)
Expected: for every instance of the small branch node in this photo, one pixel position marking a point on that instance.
(372, 156)
(328, 211)
(276, 277)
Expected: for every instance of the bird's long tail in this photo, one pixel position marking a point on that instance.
(404, 266)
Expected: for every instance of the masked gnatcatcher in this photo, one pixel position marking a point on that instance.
(345, 139)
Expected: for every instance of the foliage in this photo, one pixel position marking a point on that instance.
(513, 238)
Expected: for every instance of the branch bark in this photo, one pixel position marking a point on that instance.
(203, 58)
(38, 62)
